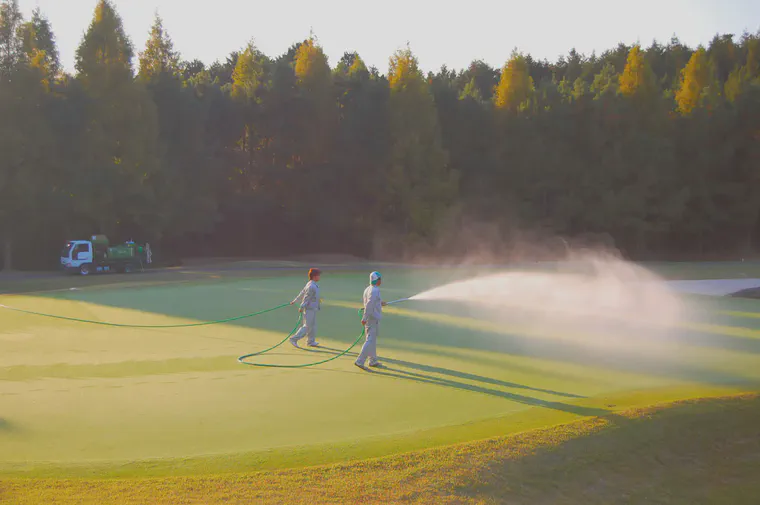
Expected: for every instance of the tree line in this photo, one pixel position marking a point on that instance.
(657, 149)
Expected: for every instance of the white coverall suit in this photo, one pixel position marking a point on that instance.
(310, 304)
(373, 313)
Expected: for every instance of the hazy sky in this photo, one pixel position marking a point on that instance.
(452, 35)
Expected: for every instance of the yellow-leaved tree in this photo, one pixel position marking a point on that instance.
(515, 88)
(638, 79)
(695, 78)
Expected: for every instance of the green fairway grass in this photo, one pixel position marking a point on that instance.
(85, 400)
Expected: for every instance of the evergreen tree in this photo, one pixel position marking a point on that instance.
(159, 56)
(605, 82)
(420, 185)
(38, 41)
(122, 134)
(658, 150)
(27, 142)
(185, 186)
(481, 79)
(11, 50)
(248, 86)
(723, 56)
(315, 84)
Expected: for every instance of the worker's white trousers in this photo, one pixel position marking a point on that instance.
(309, 327)
(369, 349)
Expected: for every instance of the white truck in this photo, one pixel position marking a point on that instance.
(96, 256)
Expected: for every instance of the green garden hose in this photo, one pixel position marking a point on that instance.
(121, 325)
(241, 359)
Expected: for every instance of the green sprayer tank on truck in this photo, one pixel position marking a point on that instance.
(98, 256)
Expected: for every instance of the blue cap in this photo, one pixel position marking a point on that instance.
(374, 277)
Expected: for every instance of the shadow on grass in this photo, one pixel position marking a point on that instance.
(477, 378)
(400, 373)
(695, 452)
(527, 400)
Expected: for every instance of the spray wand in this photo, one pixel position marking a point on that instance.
(361, 311)
(398, 301)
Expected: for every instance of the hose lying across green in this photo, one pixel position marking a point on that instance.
(241, 359)
(121, 325)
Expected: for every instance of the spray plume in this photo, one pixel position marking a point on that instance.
(588, 288)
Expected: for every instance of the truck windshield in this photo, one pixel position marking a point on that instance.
(66, 250)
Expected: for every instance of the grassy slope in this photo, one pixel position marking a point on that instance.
(692, 452)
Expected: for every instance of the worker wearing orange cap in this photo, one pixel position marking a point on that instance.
(309, 304)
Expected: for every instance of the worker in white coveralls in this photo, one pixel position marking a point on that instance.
(309, 305)
(373, 313)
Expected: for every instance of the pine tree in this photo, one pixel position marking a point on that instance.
(605, 82)
(159, 56)
(248, 86)
(122, 135)
(105, 55)
(723, 56)
(742, 78)
(10, 44)
(753, 56)
(580, 89)
(27, 143)
(357, 69)
(482, 80)
(10, 135)
(39, 42)
(420, 184)
(471, 91)
(183, 188)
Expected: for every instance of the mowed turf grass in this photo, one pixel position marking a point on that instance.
(704, 451)
(80, 400)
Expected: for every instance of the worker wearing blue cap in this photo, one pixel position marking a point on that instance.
(373, 313)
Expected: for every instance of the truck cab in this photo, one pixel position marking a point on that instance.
(77, 255)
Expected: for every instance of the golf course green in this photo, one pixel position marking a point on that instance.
(84, 400)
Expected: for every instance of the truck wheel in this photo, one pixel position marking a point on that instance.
(85, 269)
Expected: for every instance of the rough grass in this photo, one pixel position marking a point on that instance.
(703, 452)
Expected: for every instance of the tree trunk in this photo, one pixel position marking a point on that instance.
(7, 252)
